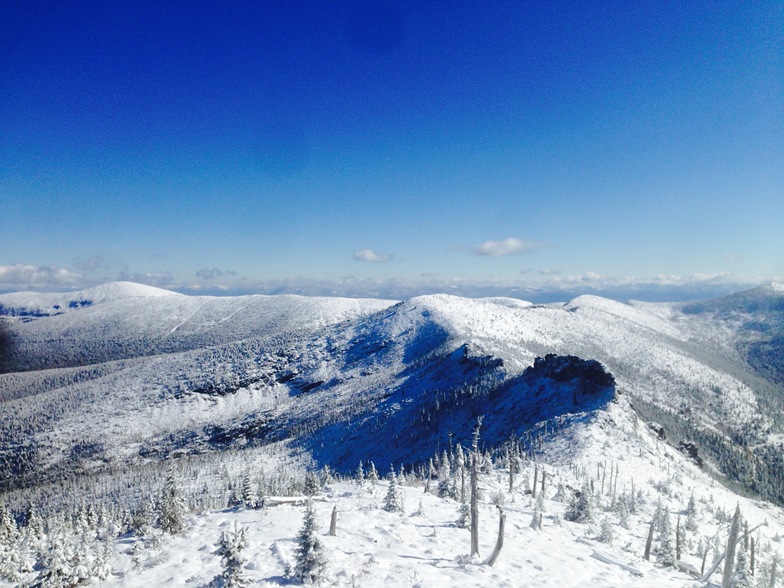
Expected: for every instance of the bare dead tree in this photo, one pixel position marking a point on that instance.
(499, 543)
(729, 557)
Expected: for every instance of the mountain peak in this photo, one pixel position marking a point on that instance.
(122, 289)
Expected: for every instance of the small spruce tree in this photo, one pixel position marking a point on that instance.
(312, 485)
(607, 532)
(230, 549)
(580, 509)
(666, 552)
(310, 560)
(393, 502)
(372, 474)
(247, 494)
(742, 578)
(171, 506)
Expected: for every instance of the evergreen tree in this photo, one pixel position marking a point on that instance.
(607, 532)
(538, 516)
(312, 485)
(143, 517)
(623, 513)
(372, 474)
(393, 501)
(8, 529)
(55, 564)
(460, 467)
(230, 551)
(742, 577)
(666, 552)
(464, 514)
(310, 560)
(360, 473)
(580, 509)
(171, 506)
(246, 493)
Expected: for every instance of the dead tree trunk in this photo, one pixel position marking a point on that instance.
(512, 468)
(333, 522)
(536, 480)
(648, 542)
(729, 558)
(500, 541)
(475, 490)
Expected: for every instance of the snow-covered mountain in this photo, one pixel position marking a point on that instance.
(152, 372)
(672, 396)
(121, 320)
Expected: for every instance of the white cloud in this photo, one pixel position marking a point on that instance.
(21, 276)
(371, 256)
(508, 246)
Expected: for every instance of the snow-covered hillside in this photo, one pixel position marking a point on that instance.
(121, 320)
(338, 371)
(144, 375)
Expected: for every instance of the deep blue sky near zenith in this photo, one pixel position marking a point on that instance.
(258, 145)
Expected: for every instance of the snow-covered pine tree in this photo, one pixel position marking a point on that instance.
(429, 474)
(310, 560)
(623, 512)
(606, 532)
(171, 506)
(536, 519)
(372, 474)
(580, 509)
(247, 495)
(393, 501)
(101, 566)
(360, 475)
(464, 515)
(460, 470)
(8, 529)
(680, 538)
(666, 552)
(312, 485)
(230, 549)
(56, 568)
(742, 577)
(34, 527)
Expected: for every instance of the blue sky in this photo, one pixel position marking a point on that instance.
(369, 146)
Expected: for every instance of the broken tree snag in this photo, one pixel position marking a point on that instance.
(500, 541)
(475, 489)
(729, 558)
(647, 555)
(333, 523)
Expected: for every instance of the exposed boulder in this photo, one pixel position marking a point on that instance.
(690, 449)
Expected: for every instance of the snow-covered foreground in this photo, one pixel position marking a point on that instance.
(423, 546)
(373, 547)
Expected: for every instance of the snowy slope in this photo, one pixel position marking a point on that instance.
(330, 373)
(339, 381)
(122, 320)
(423, 546)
